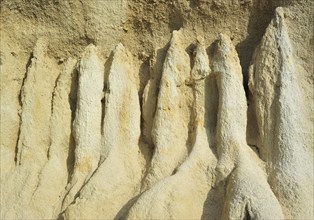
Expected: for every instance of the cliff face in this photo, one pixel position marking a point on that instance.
(199, 109)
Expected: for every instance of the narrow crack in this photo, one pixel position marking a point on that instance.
(72, 99)
(78, 192)
(20, 99)
(51, 112)
(53, 94)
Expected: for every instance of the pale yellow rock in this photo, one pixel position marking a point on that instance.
(44, 203)
(34, 135)
(132, 109)
(170, 126)
(168, 199)
(247, 187)
(280, 112)
(150, 94)
(10, 109)
(117, 179)
(87, 129)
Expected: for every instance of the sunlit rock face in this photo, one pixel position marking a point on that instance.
(177, 109)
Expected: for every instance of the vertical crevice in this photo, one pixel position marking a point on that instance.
(150, 94)
(191, 126)
(20, 99)
(246, 47)
(191, 51)
(211, 102)
(53, 94)
(72, 99)
(148, 104)
(106, 91)
(107, 67)
(51, 111)
(247, 212)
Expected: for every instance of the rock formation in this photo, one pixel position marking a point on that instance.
(134, 109)
(279, 112)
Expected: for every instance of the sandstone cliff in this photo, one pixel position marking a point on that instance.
(145, 109)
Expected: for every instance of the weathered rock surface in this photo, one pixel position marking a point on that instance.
(134, 109)
(280, 114)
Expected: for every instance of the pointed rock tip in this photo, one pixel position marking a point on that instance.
(280, 12)
(120, 47)
(225, 44)
(279, 17)
(91, 45)
(224, 38)
(176, 36)
(120, 50)
(90, 49)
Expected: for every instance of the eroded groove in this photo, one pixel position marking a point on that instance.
(72, 101)
(51, 110)
(150, 93)
(106, 90)
(54, 93)
(20, 98)
(149, 106)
